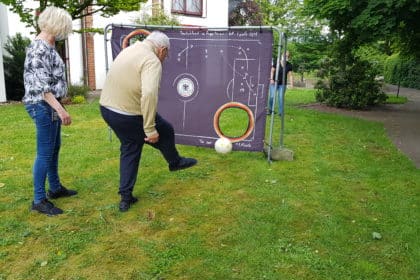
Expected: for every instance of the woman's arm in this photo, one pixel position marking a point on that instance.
(291, 78)
(272, 74)
(62, 113)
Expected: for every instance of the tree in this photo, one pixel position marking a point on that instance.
(13, 61)
(361, 22)
(76, 8)
(353, 26)
(155, 15)
(282, 13)
(246, 13)
(307, 54)
(351, 85)
(307, 44)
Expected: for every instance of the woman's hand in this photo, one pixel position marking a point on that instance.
(62, 113)
(64, 117)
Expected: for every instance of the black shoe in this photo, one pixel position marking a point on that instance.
(126, 203)
(46, 207)
(62, 192)
(183, 163)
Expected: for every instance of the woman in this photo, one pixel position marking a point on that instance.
(277, 85)
(45, 84)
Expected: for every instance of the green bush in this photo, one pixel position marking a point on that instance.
(373, 53)
(78, 99)
(13, 61)
(349, 86)
(77, 94)
(403, 70)
(157, 17)
(78, 90)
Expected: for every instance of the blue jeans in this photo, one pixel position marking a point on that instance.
(129, 130)
(276, 89)
(48, 142)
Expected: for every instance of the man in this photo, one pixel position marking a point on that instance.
(279, 87)
(128, 105)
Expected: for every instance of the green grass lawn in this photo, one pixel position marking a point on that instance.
(393, 99)
(232, 216)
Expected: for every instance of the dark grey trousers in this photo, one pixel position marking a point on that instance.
(129, 130)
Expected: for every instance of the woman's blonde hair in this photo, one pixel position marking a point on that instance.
(55, 21)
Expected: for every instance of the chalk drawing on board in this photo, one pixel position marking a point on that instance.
(187, 89)
(243, 81)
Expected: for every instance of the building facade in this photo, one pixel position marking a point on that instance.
(85, 53)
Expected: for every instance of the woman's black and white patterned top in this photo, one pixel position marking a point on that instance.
(44, 71)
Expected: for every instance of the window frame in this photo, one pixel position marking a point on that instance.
(185, 12)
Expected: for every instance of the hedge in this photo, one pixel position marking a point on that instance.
(402, 69)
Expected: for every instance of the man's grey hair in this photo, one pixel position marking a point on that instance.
(159, 39)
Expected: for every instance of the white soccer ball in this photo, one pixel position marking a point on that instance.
(223, 146)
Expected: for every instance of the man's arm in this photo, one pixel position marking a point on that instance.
(150, 80)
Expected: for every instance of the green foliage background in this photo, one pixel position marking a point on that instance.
(349, 86)
(403, 70)
(77, 9)
(158, 17)
(13, 62)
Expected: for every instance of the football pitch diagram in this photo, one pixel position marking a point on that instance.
(210, 71)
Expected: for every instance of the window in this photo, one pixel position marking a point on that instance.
(187, 7)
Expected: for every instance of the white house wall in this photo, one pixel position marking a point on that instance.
(215, 14)
(16, 26)
(2, 85)
(74, 41)
(75, 55)
(4, 30)
(4, 24)
(101, 22)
